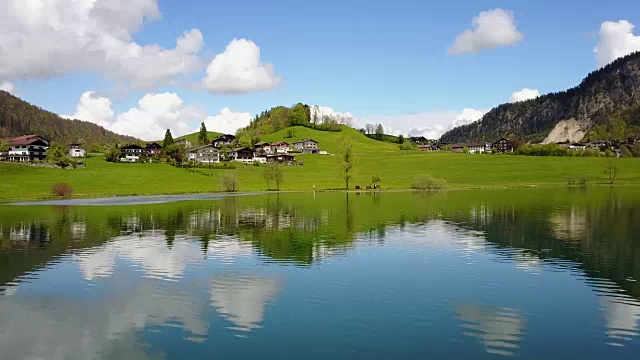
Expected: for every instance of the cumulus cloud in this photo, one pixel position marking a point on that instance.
(524, 94)
(155, 114)
(8, 87)
(491, 29)
(428, 124)
(227, 121)
(93, 108)
(58, 37)
(616, 39)
(239, 69)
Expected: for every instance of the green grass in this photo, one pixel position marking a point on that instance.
(397, 169)
(328, 140)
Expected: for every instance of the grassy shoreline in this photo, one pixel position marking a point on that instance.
(397, 170)
(101, 179)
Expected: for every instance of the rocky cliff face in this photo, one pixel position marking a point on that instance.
(605, 92)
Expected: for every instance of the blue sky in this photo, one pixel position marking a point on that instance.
(378, 61)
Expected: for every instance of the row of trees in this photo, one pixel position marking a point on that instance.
(373, 129)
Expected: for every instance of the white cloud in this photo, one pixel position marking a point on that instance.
(616, 40)
(428, 124)
(155, 114)
(239, 70)
(58, 37)
(227, 121)
(93, 108)
(491, 29)
(524, 94)
(8, 87)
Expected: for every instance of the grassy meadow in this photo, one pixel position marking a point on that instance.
(396, 168)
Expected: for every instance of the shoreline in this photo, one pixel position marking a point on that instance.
(145, 199)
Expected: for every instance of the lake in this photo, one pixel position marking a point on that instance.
(531, 273)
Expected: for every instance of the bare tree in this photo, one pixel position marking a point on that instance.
(611, 170)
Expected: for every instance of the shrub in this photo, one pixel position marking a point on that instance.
(571, 181)
(230, 182)
(428, 183)
(63, 190)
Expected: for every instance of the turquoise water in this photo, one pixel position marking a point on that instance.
(465, 275)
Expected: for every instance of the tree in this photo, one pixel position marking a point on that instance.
(4, 146)
(369, 128)
(625, 152)
(273, 172)
(611, 170)
(400, 139)
(58, 156)
(635, 150)
(230, 182)
(346, 158)
(168, 139)
(315, 117)
(379, 132)
(299, 115)
(112, 153)
(375, 179)
(203, 138)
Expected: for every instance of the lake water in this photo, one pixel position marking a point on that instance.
(532, 274)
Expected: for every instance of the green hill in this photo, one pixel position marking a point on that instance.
(329, 140)
(193, 138)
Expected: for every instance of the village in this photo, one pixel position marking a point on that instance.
(224, 148)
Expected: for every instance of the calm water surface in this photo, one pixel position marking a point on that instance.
(532, 274)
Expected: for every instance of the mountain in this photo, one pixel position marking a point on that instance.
(605, 105)
(18, 117)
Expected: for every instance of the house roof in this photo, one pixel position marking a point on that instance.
(154, 145)
(27, 140)
(240, 148)
(305, 140)
(280, 143)
(477, 144)
(132, 146)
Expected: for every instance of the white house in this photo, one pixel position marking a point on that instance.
(28, 148)
(205, 154)
(307, 146)
(76, 151)
(479, 147)
(280, 147)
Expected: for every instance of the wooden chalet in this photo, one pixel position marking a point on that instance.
(154, 149)
(28, 148)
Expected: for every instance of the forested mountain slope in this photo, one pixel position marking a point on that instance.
(18, 117)
(605, 105)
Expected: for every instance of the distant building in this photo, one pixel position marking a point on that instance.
(280, 147)
(132, 153)
(28, 148)
(76, 151)
(205, 154)
(276, 158)
(183, 142)
(457, 148)
(241, 154)
(154, 149)
(223, 140)
(420, 140)
(429, 147)
(502, 145)
(307, 146)
(478, 147)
